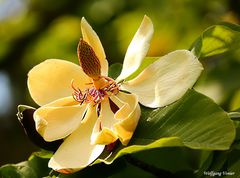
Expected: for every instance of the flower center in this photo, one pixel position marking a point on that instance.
(100, 88)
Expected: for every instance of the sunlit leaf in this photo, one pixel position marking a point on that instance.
(235, 102)
(217, 39)
(42, 154)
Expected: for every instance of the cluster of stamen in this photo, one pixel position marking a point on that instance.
(96, 94)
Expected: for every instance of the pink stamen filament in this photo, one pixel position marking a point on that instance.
(93, 94)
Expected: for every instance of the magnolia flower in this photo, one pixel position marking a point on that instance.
(90, 110)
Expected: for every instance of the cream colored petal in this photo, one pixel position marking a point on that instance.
(128, 115)
(59, 119)
(166, 80)
(103, 132)
(90, 36)
(76, 152)
(137, 49)
(51, 80)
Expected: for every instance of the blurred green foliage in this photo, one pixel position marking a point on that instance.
(41, 29)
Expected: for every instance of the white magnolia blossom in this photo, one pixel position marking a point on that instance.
(86, 120)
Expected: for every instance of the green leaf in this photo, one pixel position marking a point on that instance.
(194, 121)
(207, 158)
(98, 170)
(34, 168)
(235, 101)
(217, 39)
(174, 159)
(39, 165)
(145, 63)
(132, 171)
(219, 160)
(114, 70)
(233, 164)
(237, 126)
(20, 170)
(42, 154)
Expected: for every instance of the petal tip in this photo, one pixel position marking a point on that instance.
(57, 167)
(83, 21)
(138, 48)
(147, 19)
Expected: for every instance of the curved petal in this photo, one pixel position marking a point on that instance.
(103, 132)
(76, 152)
(128, 115)
(137, 49)
(51, 80)
(59, 118)
(165, 80)
(90, 36)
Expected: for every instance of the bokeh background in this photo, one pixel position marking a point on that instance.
(34, 30)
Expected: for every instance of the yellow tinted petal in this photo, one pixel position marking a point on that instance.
(90, 36)
(127, 115)
(103, 132)
(51, 80)
(137, 49)
(76, 152)
(165, 80)
(59, 119)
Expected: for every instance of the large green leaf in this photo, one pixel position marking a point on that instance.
(35, 167)
(132, 171)
(20, 170)
(217, 39)
(194, 121)
(98, 170)
(174, 159)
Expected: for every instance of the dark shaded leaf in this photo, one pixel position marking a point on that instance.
(35, 167)
(114, 70)
(25, 117)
